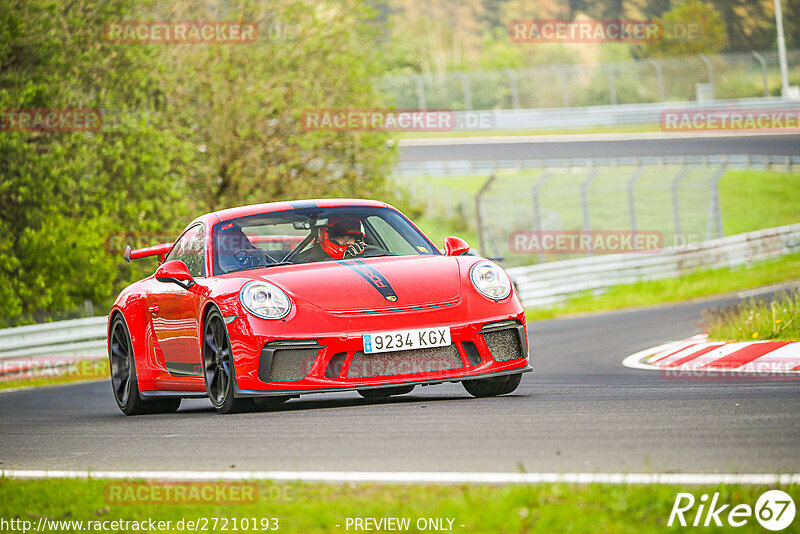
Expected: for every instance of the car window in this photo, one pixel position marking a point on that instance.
(191, 250)
(294, 236)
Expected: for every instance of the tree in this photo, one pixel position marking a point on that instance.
(692, 27)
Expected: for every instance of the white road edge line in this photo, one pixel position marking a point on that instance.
(390, 477)
(635, 361)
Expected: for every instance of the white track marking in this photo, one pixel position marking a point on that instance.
(392, 477)
(636, 360)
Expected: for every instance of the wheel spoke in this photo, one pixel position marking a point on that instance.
(211, 342)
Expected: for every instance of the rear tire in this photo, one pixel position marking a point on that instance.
(218, 369)
(491, 387)
(124, 382)
(382, 393)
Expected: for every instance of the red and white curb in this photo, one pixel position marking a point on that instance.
(698, 355)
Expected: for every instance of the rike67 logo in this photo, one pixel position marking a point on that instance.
(774, 510)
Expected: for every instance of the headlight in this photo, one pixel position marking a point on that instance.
(490, 280)
(265, 300)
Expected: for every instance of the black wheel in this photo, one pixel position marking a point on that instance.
(123, 376)
(380, 393)
(491, 387)
(219, 373)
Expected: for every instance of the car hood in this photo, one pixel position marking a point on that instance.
(371, 283)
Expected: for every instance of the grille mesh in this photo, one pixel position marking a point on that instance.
(291, 365)
(503, 344)
(404, 362)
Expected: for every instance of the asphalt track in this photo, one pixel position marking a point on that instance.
(580, 411)
(598, 146)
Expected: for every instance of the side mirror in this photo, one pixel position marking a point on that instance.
(175, 271)
(455, 246)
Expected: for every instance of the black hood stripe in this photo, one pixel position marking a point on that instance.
(373, 276)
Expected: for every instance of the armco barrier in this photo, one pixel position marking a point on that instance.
(76, 338)
(549, 283)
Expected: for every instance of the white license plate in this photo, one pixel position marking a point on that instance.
(406, 339)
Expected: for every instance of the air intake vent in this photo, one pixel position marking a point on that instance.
(504, 344)
(287, 361)
(473, 356)
(404, 362)
(335, 365)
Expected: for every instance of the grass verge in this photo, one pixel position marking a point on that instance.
(695, 285)
(49, 374)
(756, 319)
(327, 507)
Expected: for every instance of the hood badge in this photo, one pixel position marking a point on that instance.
(391, 298)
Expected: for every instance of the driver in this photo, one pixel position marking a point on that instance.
(234, 249)
(338, 240)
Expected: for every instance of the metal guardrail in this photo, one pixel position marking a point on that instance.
(486, 167)
(84, 338)
(549, 283)
(611, 115)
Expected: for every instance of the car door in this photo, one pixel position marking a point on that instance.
(174, 311)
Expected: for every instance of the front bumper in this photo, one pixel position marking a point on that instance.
(294, 363)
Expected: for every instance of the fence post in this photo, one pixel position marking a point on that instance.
(631, 200)
(479, 215)
(587, 226)
(562, 76)
(760, 59)
(512, 82)
(420, 92)
(676, 206)
(537, 214)
(714, 209)
(612, 88)
(660, 77)
(467, 92)
(710, 68)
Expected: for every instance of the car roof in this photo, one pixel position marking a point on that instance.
(269, 207)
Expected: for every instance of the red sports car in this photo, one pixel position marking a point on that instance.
(259, 304)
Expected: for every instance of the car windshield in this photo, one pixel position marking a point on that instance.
(315, 234)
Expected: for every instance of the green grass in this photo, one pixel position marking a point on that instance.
(699, 284)
(311, 508)
(75, 372)
(756, 319)
(752, 200)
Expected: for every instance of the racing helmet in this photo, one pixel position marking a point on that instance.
(339, 228)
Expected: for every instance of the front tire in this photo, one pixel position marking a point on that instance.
(491, 387)
(124, 382)
(218, 369)
(382, 393)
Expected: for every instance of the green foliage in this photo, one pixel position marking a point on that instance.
(756, 320)
(692, 27)
(187, 129)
